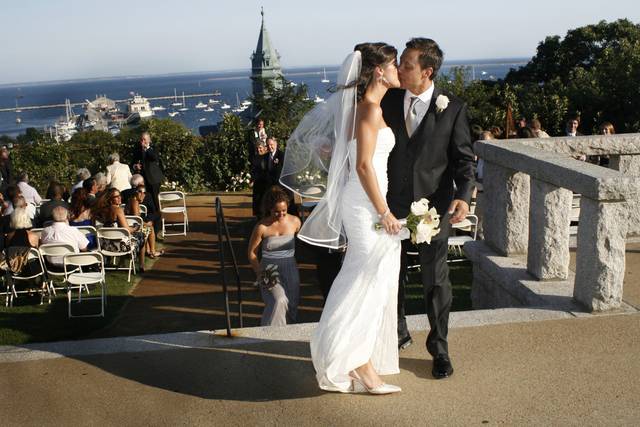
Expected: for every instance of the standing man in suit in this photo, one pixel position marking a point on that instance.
(432, 152)
(275, 159)
(148, 165)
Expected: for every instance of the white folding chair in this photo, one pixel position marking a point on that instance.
(13, 277)
(57, 250)
(89, 230)
(134, 221)
(77, 278)
(117, 235)
(143, 210)
(173, 203)
(455, 243)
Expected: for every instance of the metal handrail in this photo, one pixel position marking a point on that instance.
(222, 225)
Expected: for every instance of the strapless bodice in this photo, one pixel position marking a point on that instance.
(276, 247)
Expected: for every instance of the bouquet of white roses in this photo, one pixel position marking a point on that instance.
(422, 222)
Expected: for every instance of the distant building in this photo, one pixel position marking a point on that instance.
(265, 62)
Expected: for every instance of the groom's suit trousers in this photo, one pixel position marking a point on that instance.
(437, 292)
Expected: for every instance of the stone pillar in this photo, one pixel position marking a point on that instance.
(549, 220)
(506, 209)
(629, 165)
(600, 254)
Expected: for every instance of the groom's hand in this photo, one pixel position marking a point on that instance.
(458, 209)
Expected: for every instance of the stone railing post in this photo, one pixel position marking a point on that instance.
(630, 166)
(548, 254)
(506, 211)
(600, 255)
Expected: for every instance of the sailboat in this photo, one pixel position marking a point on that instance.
(173, 113)
(18, 110)
(175, 102)
(239, 107)
(325, 79)
(185, 108)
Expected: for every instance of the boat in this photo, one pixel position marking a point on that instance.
(213, 101)
(202, 119)
(173, 113)
(325, 79)
(293, 84)
(208, 109)
(246, 103)
(18, 120)
(240, 107)
(185, 108)
(225, 106)
(201, 105)
(158, 108)
(140, 105)
(318, 100)
(175, 102)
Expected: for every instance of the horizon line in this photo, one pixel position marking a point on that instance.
(470, 62)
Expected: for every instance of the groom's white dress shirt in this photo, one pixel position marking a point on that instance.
(421, 107)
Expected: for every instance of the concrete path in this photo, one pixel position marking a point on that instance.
(577, 371)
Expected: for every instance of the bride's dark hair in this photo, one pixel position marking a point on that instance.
(373, 55)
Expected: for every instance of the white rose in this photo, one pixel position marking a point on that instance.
(420, 207)
(432, 218)
(424, 232)
(442, 102)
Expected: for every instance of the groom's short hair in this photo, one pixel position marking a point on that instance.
(430, 53)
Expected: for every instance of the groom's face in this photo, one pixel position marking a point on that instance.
(412, 76)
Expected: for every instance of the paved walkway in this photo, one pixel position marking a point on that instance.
(182, 292)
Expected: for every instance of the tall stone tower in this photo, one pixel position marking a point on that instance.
(265, 62)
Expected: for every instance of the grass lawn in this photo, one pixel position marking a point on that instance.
(461, 276)
(28, 321)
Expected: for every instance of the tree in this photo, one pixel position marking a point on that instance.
(593, 71)
(225, 153)
(283, 108)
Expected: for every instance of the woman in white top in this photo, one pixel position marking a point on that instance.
(118, 174)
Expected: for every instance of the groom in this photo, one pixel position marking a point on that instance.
(432, 152)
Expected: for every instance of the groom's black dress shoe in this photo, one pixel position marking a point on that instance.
(441, 367)
(404, 342)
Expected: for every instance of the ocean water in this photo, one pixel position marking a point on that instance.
(232, 85)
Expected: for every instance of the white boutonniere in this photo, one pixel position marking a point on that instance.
(442, 102)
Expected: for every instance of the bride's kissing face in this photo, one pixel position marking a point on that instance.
(390, 74)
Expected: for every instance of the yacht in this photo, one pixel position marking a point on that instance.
(202, 119)
(173, 113)
(225, 106)
(208, 109)
(175, 102)
(318, 100)
(201, 105)
(158, 108)
(140, 105)
(213, 101)
(184, 103)
(325, 79)
(18, 120)
(246, 103)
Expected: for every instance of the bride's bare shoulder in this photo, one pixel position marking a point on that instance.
(369, 112)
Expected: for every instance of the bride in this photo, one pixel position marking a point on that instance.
(356, 339)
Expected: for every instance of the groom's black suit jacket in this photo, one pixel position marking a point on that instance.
(438, 154)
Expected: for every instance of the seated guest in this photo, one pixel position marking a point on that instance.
(118, 174)
(275, 233)
(29, 193)
(81, 175)
(56, 194)
(20, 238)
(91, 186)
(61, 232)
(107, 210)
(101, 183)
(80, 214)
(536, 127)
(133, 208)
(18, 201)
(153, 215)
(51, 189)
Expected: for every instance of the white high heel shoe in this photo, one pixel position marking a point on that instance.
(358, 386)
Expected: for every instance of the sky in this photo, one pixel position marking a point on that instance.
(42, 40)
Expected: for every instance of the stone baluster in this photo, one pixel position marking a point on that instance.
(549, 220)
(506, 212)
(600, 255)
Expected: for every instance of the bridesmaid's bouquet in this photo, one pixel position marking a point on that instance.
(422, 222)
(270, 277)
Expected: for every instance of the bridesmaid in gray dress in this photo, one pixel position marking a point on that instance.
(276, 234)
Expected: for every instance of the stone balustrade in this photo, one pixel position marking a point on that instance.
(528, 191)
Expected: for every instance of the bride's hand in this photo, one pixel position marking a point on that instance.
(391, 224)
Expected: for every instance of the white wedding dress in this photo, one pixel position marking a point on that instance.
(359, 319)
